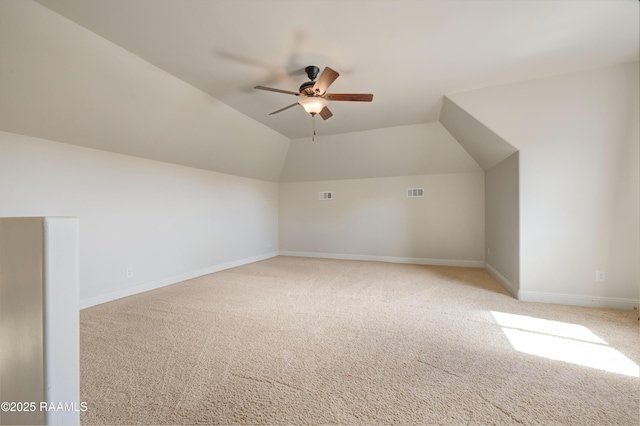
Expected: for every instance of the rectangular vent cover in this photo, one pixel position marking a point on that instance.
(325, 195)
(415, 192)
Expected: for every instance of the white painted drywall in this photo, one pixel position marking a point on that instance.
(168, 222)
(502, 230)
(373, 218)
(396, 151)
(39, 320)
(59, 81)
(579, 172)
(484, 146)
(61, 320)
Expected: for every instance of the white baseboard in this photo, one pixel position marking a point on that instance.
(130, 291)
(508, 285)
(563, 299)
(578, 300)
(525, 296)
(409, 260)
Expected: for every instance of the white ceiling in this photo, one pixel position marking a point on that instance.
(407, 53)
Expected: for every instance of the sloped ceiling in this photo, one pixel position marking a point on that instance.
(485, 146)
(172, 80)
(417, 149)
(407, 53)
(61, 82)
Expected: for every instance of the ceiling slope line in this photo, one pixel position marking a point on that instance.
(483, 144)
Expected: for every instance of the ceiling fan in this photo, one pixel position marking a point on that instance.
(313, 94)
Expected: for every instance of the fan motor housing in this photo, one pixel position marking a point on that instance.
(307, 88)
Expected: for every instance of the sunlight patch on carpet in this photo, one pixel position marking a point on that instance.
(563, 341)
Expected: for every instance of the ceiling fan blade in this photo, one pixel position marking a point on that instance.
(325, 113)
(271, 89)
(325, 80)
(353, 97)
(282, 109)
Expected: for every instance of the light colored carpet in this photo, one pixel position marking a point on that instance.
(315, 341)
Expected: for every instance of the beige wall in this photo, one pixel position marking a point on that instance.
(22, 318)
(168, 222)
(373, 218)
(502, 225)
(39, 319)
(579, 181)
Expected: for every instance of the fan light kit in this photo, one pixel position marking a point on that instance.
(313, 94)
(313, 104)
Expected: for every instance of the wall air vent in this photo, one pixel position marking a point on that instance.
(325, 195)
(415, 192)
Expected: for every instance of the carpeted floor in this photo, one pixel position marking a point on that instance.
(315, 341)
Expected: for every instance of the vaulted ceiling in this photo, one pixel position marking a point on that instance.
(172, 80)
(407, 53)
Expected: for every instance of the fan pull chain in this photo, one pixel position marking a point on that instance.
(313, 127)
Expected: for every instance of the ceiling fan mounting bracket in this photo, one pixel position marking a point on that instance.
(312, 72)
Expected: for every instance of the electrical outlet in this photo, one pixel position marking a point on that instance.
(601, 276)
(488, 251)
(129, 272)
